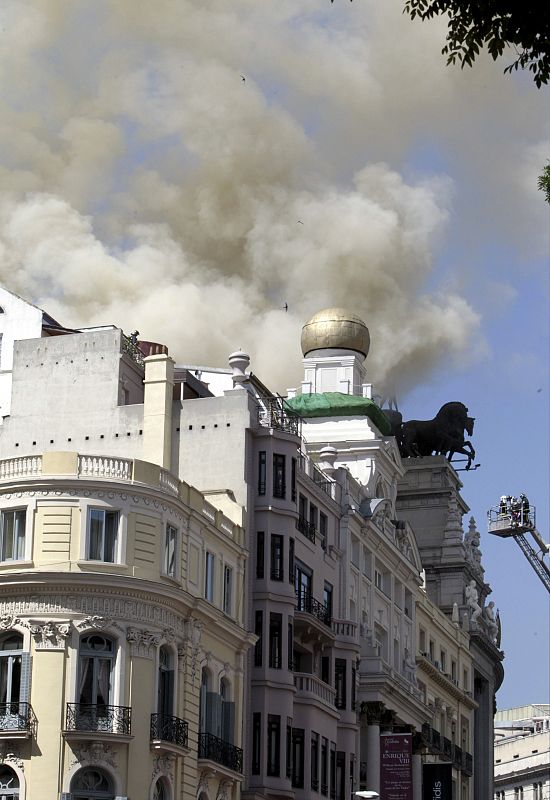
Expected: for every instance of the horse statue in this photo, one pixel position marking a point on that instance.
(442, 435)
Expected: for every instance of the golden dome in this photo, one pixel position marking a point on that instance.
(335, 329)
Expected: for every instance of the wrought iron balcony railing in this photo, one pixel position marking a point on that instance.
(273, 412)
(447, 747)
(467, 763)
(17, 717)
(312, 606)
(99, 718)
(169, 729)
(221, 752)
(307, 528)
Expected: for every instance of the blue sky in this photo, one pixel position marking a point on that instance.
(144, 183)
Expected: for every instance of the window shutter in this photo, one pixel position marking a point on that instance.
(213, 713)
(25, 687)
(228, 721)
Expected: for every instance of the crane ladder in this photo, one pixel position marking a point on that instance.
(530, 553)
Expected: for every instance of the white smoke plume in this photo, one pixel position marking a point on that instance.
(144, 182)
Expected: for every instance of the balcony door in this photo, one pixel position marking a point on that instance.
(11, 646)
(165, 699)
(96, 663)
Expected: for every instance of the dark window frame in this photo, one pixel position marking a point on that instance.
(256, 743)
(260, 555)
(277, 551)
(262, 472)
(279, 476)
(275, 660)
(273, 745)
(258, 630)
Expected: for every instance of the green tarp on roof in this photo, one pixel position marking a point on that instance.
(336, 404)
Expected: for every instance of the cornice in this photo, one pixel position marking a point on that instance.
(446, 683)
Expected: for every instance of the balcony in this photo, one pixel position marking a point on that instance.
(467, 763)
(214, 749)
(87, 721)
(169, 733)
(447, 747)
(307, 603)
(312, 690)
(17, 721)
(306, 528)
(273, 412)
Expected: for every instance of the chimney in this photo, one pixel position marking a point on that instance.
(157, 409)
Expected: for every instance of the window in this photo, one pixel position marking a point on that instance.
(340, 775)
(333, 770)
(165, 692)
(102, 535)
(12, 535)
(11, 658)
(275, 641)
(325, 669)
(443, 660)
(293, 480)
(161, 790)
(260, 554)
(298, 758)
(291, 560)
(10, 782)
(95, 680)
(290, 644)
(313, 513)
(209, 577)
(258, 630)
(340, 682)
(302, 507)
(227, 589)
(261, 472)
(378, 579)
(327, 598)
(324, 766)
(323, 529)
(315, 762)
(256, 742)
(91, 782)
(303, 580)
(169, 561)
(353, 687)
(279, 480)
(289, 747)
(277, 567)
(226, 730)
(273, 745)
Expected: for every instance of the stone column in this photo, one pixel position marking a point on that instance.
(374, 713)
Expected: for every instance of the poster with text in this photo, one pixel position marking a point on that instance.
(396, 766)
(437, 782)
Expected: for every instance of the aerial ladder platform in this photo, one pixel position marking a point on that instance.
(517, 520)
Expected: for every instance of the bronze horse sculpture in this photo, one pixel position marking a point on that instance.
(442, 435)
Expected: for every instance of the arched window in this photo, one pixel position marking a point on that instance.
(161, 790)
(165, 701)
(9, 783)
(95, 673)
(11, 646)
(92, 784)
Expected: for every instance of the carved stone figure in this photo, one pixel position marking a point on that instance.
(490, 619)
(409, 667)
(472, 597)
(444, 434)
(471, 546)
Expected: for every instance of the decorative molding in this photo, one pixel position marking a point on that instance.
(90, 604)
(10, 754)
(143, 643)
(164, 765)
(49, 635)
(96, 753)
(8, 621)
(225, 790)
(97, 622)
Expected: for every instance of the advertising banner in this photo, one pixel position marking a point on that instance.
(396, 766)
(437, 782)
